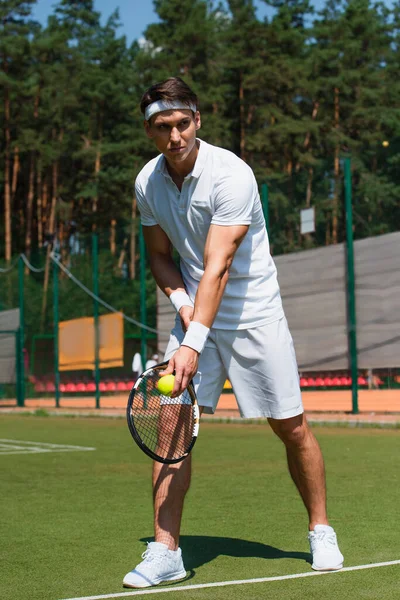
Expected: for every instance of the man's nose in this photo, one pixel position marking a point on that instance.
(175, 135)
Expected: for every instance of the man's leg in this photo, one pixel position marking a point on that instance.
(170, 485)
(162, 560)
(306, 465)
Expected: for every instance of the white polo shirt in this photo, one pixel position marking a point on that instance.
(220, 190)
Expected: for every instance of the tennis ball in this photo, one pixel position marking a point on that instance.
(165, 384)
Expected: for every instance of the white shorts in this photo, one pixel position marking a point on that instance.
(260, 363)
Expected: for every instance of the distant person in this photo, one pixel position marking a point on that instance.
(204, 201)
(152, 362)
(137, 365)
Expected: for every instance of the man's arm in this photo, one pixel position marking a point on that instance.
(164, 269)
(221, 245)
(162, 265)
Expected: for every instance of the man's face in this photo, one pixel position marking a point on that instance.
(174, 133)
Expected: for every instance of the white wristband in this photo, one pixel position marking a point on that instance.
(196, 336)
(179, 299)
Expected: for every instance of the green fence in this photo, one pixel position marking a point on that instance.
(93, 275)
(72, 280)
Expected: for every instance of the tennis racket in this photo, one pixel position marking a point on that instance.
(164, 428)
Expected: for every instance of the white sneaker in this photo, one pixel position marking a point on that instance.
(324, 549)
(158, 564)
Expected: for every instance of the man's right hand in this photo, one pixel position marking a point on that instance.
(186, 315)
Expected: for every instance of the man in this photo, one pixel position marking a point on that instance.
(204, 201)
(137, 367)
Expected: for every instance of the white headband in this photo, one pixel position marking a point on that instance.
(162, 105)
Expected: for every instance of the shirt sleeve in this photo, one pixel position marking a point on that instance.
(146, 214)
(234, 198)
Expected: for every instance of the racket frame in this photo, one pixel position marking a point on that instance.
(135, 434)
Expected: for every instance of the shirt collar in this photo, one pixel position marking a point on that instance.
(197, 170)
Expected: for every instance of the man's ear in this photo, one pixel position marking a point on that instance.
(147, 128)
(197, 119)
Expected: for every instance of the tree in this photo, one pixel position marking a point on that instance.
(349, 57)
(14, 47)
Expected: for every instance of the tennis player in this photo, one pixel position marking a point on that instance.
(203, 201)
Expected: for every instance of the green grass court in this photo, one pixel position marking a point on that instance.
(74, 522)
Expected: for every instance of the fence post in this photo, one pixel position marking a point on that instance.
(265, 204)
(56, 319)
(143, 312)
(351, 297)
(21, 337)
(95, 265)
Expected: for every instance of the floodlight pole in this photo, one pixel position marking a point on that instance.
(143, 312)
(351, 296)
(265, 204)
(21, 337)
(56, 339)
(95, 266)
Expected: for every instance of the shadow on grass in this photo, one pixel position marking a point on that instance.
(198, 550)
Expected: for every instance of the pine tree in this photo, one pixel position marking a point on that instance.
(351, 50)
(14, 50)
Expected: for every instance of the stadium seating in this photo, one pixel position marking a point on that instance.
(119, 385)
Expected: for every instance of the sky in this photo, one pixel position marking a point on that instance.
(137, 14)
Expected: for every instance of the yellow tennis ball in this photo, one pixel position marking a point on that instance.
(165, 384)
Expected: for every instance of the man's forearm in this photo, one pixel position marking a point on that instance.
(209, 295)
(166, 274)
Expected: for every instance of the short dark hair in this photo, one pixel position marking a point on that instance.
(173, 88)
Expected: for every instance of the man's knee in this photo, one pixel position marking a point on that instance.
(293, 431)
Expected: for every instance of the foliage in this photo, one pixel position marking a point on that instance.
(291, 94)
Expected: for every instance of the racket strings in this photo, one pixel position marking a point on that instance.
(165, 425)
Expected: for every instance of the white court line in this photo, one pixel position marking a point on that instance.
(26, 447)
(45, 444)
(166, 590)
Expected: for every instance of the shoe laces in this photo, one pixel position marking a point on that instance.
(324, 537)
(150, 555)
